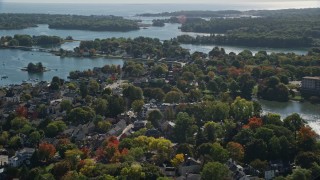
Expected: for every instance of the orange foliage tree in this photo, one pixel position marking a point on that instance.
(109, 152)
(22, 111)
(236, 151)
(254, 123)
(306, 138)
(46, 151)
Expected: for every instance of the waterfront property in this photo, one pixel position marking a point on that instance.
(310, 86)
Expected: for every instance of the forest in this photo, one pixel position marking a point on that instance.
(290, 31)
(28, 41)
(234, 13)
(73, 22)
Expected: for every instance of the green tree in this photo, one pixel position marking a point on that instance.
(137, 105)
(300, 174)
(65, 105)
(35, 137)
(133, 93)
(101, 106)
(218, 153)
(184, 127)
(241, 109)
(155, 117)
(214, 171)
(134, 172)
(173, 97)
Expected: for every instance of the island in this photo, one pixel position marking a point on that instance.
(72, 22)
(35, 68)
(273, 28)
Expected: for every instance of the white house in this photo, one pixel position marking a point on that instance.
(21, 156)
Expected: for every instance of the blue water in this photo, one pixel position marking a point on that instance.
(133, 9)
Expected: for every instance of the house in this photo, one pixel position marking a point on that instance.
(167, 127)
(237, 170)
(22, 156)
(118, 128)
(168, 171)
(153, 133)
(190, 166)
(310, 86)
(139, 125)
(190, 177)
(4, 160)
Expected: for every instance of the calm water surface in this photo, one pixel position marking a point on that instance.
(12, 61)
(307, 111)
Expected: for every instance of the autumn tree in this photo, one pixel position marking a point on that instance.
(236, 151)
(306, 138)
(177, 160)
(46, 151)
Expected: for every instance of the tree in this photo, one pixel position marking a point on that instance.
(65, 105)
(214, 171)
(116, 105)
(73, 156)
(255, 149)
(163, 148)
(134, 172)
(155, 117)
(101, 106)
(300, 174)
(211, 131)
(64, 145)
(246, 84)
(72, 175)
(19, 122)
(60, 169)
(137, 105)
(259, 165)
(306, 159)
(236, 151)
(264, 133)
(133, 93)
(306, 139)
(103, 126)
(218, 153)
(275, 148)
(177, 160)
(184, 127)
(173, 97)
(241, 109)
(54, 128)
(46, 151)
(81, 115)
(94, 86)
(294, 122)
(254, 123)
(15, 142)
(35, 137)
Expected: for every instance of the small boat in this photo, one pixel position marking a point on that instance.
(4, 77)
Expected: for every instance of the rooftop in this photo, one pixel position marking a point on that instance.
(314, 78)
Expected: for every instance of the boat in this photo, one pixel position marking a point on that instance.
(4, 77)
